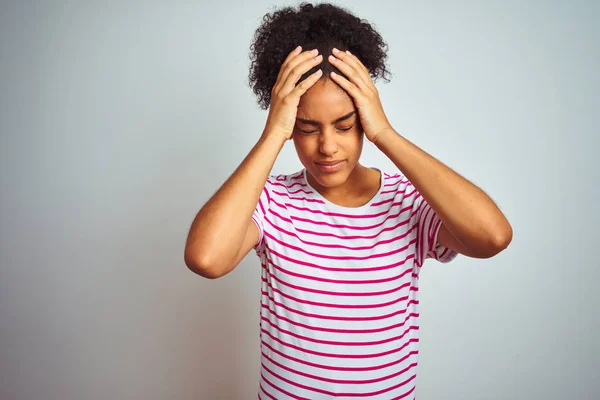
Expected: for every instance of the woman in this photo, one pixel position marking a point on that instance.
(341, 245)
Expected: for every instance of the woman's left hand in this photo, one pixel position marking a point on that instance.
(363, 91)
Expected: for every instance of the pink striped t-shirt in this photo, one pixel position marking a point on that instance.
(339, 315)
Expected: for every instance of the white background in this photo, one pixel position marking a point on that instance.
(119, 120)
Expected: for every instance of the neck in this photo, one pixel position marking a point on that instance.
(353, 185)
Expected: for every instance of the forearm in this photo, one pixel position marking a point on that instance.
(219, 228)
(469, 214)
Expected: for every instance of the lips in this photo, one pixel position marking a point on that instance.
(329, 163)
(329, 166)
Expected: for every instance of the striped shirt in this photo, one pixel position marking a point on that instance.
(339, 311)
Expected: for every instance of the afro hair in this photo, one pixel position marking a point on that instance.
(323, 26)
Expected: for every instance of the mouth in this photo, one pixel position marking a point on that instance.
(329, 166)
(328, 163)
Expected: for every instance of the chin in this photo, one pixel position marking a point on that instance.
(327, 179)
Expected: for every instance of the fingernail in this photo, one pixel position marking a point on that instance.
(335, 51)
(315, 51)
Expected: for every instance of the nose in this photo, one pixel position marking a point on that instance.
(327, 143)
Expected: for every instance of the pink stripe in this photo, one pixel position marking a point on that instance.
(341, 394)
(298, 175)
(389, 228)
(334, 368)
(383, 202)
(336, 282)
(420, 236)
(407, 393)
(340, 381)
(267, 308)
(293, 396)
(339, 281)
(287, 187)
(265, 392)
(337, 355)
(444, 253)
(337, 318)
(328, 257)
(360, 228)
(343, 306)
(397, 182)
(368, 269)
(299, 198)
(332, 214)
(388, 191)
(331, 293)
(435, 223)
(262, 208)
(340, 343)
(339, 246)
(301, 191)
(424, 234)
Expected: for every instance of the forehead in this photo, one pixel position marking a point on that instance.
(324, 102)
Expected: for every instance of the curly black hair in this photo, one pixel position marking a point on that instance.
(323, 26)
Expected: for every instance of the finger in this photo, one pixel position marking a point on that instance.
(348, 70)
(352, 60)
(306, 84)
(294, 63)
(359, 63)
(290, 56)
(348, 86)
(298, 71)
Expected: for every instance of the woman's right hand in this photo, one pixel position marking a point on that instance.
(285, 95)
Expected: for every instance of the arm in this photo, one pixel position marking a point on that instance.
(472, 224)
(223, 231)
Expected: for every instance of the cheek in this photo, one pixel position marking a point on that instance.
(303, 147)
(354, 143)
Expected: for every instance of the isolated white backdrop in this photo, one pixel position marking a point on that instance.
(119, 120)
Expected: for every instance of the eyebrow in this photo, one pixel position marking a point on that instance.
(340, 119)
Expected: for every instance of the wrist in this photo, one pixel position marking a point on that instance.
(273, 138)
(383, 136)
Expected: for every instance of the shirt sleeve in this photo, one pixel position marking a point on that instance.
(260, 212)
(428, 228)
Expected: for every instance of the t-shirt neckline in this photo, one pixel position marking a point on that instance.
(339, 207)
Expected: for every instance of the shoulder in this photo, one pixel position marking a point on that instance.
(397, 184)
(285, 182)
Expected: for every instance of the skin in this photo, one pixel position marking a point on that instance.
(322, 140)
(223, 233)
(472, 224)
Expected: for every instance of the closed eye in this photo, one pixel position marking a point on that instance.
(340, 129)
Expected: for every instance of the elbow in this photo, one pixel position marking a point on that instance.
(201, 265)
(504, 237)
(499, 241)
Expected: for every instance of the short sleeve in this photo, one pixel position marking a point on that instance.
(260, 212)
(428, 228)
